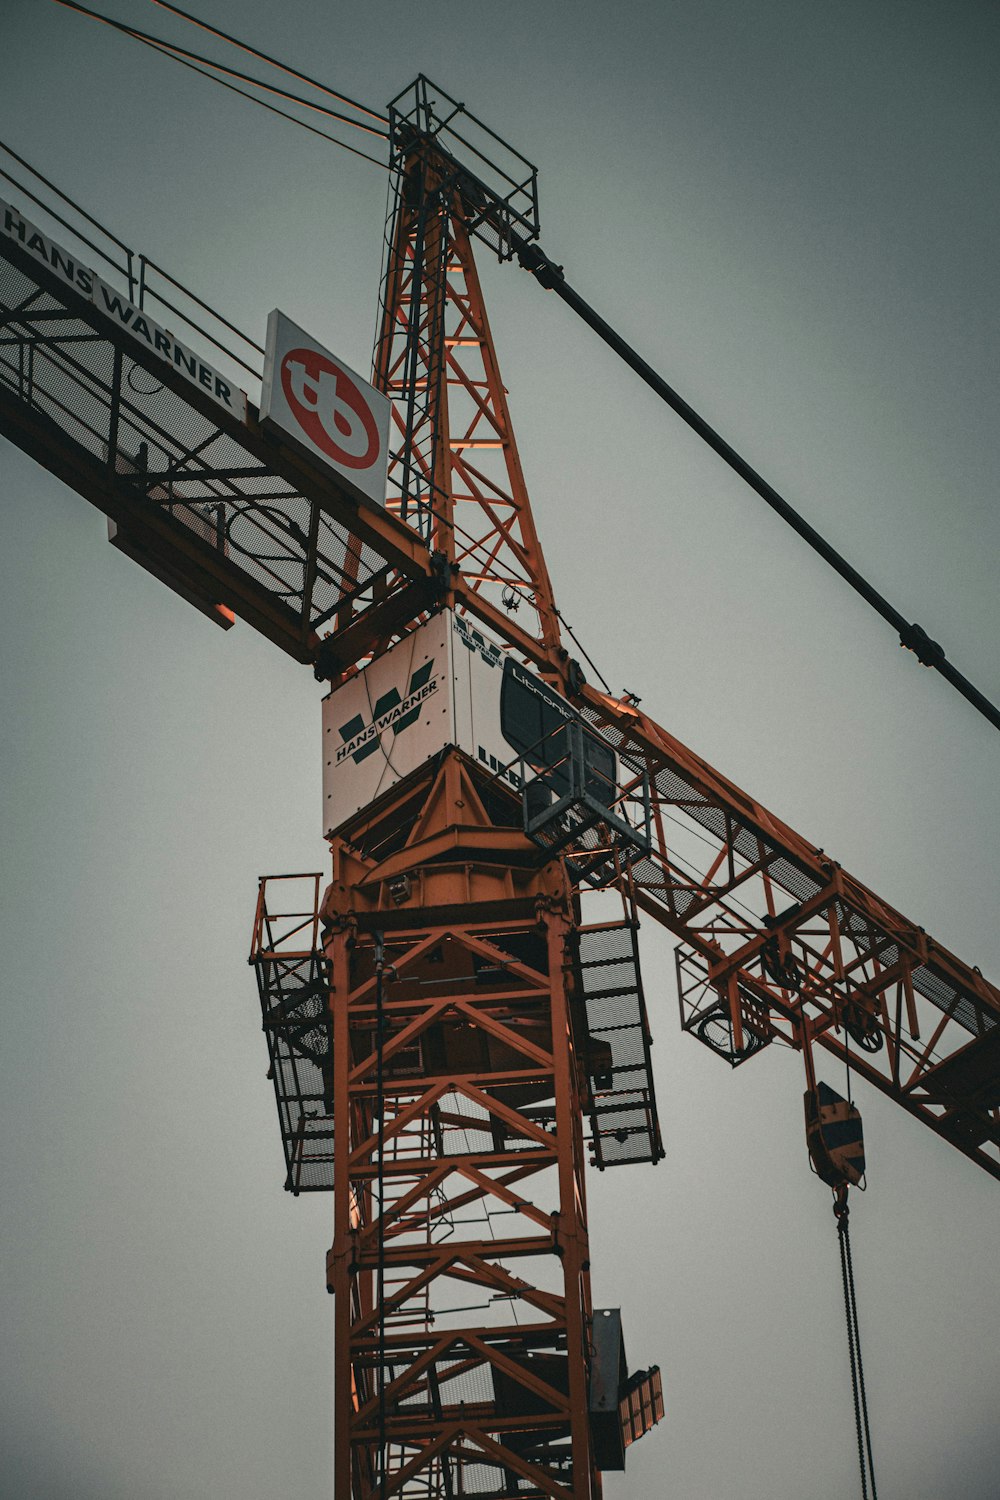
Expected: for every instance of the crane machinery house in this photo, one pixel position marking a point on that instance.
(448, 684)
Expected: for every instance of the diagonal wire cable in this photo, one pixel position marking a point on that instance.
(583, 651)
(273, 61)
(273, 108)
(183, 52)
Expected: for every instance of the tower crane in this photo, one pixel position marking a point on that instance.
(457, 1014)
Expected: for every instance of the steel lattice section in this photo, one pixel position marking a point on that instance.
(778, 937)
(461, 1297)
(455, 474)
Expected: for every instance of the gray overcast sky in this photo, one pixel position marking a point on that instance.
(792, 209)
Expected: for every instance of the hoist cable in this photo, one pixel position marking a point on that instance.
(182, 52)
(912, 636)
(266, 57)
(866, 1460)
(854, 1368)
(380, 1272)
(862, 1392)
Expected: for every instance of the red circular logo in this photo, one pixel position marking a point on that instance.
(329, 408)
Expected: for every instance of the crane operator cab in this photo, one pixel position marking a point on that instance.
(447, 684)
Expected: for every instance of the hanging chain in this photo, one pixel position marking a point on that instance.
(380, 1275)
(865, 1459)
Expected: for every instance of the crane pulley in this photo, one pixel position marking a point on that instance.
(835, 1138)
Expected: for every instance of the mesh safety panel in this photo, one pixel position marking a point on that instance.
(624, 1123)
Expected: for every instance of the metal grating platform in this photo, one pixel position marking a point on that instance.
(622, 1105)
(294, 1000)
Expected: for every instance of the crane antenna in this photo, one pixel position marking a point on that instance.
(183, 52)
(266, 57)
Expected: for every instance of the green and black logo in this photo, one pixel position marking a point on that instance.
(391, 711)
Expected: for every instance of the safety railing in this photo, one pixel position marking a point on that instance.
(150, 286)
(578, 796)
(293, 987)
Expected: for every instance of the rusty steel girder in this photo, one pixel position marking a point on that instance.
(455, 475)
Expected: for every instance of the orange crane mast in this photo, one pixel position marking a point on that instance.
(462, 981)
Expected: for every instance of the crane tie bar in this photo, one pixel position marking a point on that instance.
(911, 635)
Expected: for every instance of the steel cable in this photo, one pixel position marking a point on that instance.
(380, 1274)
(266, 57)
(263, 103)
(866, 1460)
(182, 52)
(862, 1392)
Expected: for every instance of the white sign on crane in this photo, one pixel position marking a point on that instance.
(445, 684)
(326, 409)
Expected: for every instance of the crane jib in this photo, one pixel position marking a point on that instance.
(117, 307)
